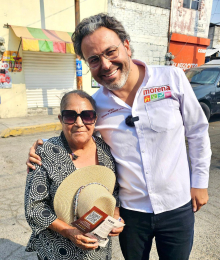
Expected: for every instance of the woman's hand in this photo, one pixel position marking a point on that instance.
(80, 240)
(33, 157)
(116, 231)
(74, 235)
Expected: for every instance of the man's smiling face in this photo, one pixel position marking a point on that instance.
(111, 74)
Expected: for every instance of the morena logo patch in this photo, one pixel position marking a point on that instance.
(156, 90)
(164, 92)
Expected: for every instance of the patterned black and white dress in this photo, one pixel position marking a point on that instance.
(41, 186)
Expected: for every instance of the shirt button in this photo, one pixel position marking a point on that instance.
(142, 151)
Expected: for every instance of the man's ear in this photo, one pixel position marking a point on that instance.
(127, 47)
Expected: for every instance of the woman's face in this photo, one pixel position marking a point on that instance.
(77, 134)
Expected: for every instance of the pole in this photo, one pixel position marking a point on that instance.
(169, 29)
(78, 60)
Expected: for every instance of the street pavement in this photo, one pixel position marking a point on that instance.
(28, 125)
(15, 232)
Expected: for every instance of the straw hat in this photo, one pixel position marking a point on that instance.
(92, 195)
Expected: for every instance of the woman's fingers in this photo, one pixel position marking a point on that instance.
(88, 246)
(82, 241)
(88, 240)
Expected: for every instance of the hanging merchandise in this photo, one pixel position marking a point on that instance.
(14, 61)
(5, 78)
(6, 56)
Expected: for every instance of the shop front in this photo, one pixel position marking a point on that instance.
(49, 65)
(188, 51)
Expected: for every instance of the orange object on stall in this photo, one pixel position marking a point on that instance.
(189, 51)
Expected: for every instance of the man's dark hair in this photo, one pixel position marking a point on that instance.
(81, 93)
(91, 24)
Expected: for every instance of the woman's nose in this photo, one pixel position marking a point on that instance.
(79, 121)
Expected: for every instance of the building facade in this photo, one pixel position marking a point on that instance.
(213, 51)
(38, 63)
(147, 23)
(162, 26)
(189, 26)
(214, 35)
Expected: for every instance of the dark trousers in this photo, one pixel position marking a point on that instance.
(173, 231)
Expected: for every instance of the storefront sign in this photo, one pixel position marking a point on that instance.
(185, 66)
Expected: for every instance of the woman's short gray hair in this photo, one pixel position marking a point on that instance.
(91, 24)
(81, 93)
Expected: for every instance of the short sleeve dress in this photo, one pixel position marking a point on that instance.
(41, 186)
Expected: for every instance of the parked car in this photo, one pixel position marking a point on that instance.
(205, 81)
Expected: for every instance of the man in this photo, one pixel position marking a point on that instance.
(144, 115)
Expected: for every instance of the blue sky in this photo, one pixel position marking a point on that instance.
(215, 17)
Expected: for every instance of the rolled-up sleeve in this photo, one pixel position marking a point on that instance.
(38, 212)
(196, 131)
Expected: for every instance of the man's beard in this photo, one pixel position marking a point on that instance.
(118, 85)
(123, 79)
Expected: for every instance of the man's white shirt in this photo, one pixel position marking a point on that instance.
(151, 157)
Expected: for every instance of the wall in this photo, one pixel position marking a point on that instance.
(147, 26)
(211, 36)
(158, 3)
(216, 38)
(191, 22)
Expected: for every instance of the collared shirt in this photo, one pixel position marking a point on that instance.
(151, 157)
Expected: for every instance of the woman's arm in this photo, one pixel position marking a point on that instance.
(74, 235)
(40, 214)
(38, 211)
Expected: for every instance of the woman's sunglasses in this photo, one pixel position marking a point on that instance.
(69, 116)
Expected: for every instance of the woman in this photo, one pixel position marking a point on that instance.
(77, 148)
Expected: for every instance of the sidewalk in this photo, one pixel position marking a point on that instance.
(28, 125)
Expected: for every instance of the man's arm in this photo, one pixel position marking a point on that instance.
(117, 231)
(33, 157)
(196, 131)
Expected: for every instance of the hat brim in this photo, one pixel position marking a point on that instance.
(63, 200)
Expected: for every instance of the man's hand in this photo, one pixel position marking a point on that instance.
(33, 157)
(199, 198)
(116, 231)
